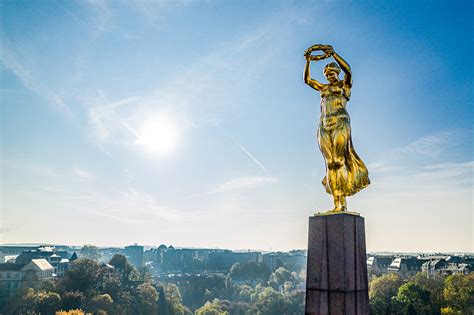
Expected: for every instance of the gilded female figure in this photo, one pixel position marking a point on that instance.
(346, 174)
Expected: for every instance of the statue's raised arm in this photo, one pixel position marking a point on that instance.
(309, 57)
(344, 66)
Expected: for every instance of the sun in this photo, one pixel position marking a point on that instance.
(158, 135)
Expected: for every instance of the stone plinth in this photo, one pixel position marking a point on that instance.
(336, 280)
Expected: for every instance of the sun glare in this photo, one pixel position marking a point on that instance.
(158, 135)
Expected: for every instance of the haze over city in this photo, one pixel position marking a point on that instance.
(188, 123)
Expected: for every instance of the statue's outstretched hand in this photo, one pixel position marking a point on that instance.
(328, 50)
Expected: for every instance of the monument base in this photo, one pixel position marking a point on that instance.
(336, 281)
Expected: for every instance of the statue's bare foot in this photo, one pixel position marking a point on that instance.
(339, 208)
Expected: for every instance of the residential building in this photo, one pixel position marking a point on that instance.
(224, 259)
(294, 260)
(378, 264)
(405, 266)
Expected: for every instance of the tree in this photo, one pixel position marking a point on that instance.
(82, 275)
(199, 289)
(271, 302)
(108, 282)
(174, 301)
(48, 285)
(459, 292)
(412, 299)
(47, 302)
(243, 293)
(90, 252)
(72, 300)
(280, 276)
(102, 303)
(34, 302)
(127, 270)
(449, 311)
(224, 307)
(211, 308)
(435, 286)
(249, 271)
(146, 298)
(381, 291)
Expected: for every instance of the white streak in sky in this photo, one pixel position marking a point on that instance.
(130, 129)
(251, 156)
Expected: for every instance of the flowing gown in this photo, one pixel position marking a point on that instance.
(346, 174)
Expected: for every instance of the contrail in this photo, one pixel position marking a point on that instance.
(130, 129)
(251, 156)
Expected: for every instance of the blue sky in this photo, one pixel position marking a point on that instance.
(188, 122)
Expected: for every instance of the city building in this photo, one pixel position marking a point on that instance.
(225, 259)
(406, 266)
(134, 254)
(11, 276)
(14, 276)
(448, 266)
(294, 260)
(58, 259)
(378, 264)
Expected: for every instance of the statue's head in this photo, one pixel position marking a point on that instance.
(331, 72)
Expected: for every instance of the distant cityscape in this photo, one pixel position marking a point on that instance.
(20, 264)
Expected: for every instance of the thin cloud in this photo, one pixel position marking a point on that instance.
(244, 183)
(238, 184)
(82, 174)
(424, 148)
(102, 18)
(27, 77)
(423, 201)
(22, 166)
(432, 144)
(128, 206)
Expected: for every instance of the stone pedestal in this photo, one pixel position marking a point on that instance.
(336, 280)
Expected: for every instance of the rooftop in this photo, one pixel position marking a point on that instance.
(10, 267)
(42, 264)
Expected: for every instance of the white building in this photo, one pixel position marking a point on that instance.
(14, 276)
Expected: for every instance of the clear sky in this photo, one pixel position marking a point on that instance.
(188, 122)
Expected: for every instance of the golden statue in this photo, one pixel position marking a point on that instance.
(346, 174)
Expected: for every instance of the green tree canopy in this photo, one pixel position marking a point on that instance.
(34, 302)
(82, 275)
(271, 302)
(146, 299)
(212, 308)
(459, 292)
(381, 291)
(434, 285)
(127, 270)
(412, 299)
(102, 303)
(281, 276)
(249, 270)
(175, 301)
